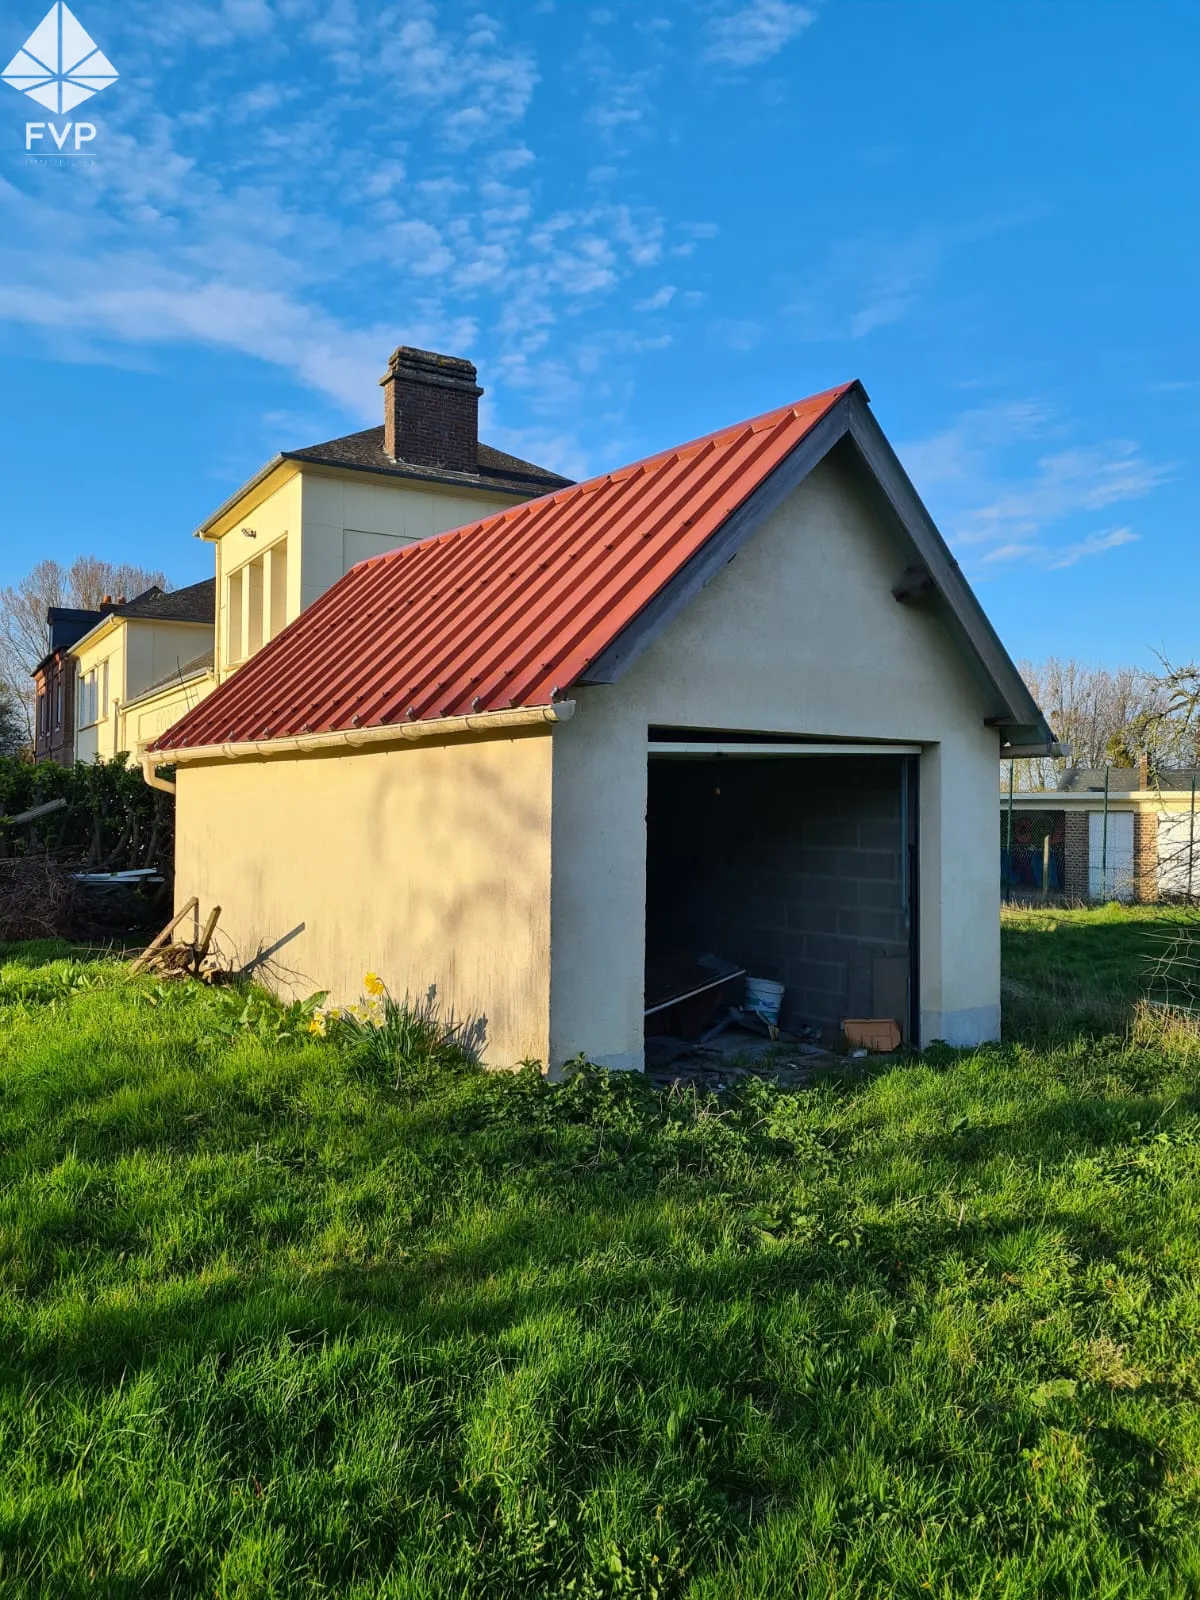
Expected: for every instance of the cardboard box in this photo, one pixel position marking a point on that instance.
(879, 1034)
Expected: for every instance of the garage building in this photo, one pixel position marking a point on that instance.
(736, 699)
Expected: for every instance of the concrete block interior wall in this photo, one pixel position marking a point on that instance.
(792, 867)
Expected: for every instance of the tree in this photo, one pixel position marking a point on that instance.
(23, 607)
(14, 734)
(1105, 715)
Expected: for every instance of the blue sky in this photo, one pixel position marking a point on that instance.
(641, 222)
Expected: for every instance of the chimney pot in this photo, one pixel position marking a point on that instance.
(431, 410)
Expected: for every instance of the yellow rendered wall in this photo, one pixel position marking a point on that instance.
(156, 650)
(351, 517)
(138, 652)
(429, 864)
(101, 740)
(275, 521)
(146, 719)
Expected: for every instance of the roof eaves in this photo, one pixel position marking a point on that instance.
(460, 480)
(223, 510)
(94, 634)
(1018, 710)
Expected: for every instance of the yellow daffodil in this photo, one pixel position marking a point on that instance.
(373, 983)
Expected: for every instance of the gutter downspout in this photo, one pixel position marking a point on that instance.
(150, 775)
(357, 738)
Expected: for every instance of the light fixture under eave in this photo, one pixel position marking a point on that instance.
(250, 533)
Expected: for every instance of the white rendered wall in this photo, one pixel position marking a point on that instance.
(800, 635)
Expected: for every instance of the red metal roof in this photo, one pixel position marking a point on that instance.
(504, 612)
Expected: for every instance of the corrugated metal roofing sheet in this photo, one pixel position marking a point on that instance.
(502, 613)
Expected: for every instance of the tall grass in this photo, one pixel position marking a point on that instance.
(273, 1324)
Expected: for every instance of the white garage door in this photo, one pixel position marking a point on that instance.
(1178, 853)
(1110, 864)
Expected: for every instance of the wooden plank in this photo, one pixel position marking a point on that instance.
(161, 938)
(33, 813)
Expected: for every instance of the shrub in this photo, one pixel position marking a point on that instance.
(112, 820)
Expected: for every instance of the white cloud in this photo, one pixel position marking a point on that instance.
(1094, 545)
(999, 507)
(658, 301)
(1063, 484)
(396, 201)
(872, 279)
(738, 333)
(756, 32)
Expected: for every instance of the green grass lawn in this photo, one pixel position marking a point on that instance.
(272, 1325)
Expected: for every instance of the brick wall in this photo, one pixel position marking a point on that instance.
(1145, 855)
(1075, 855)
(54, 726)
(793, 868)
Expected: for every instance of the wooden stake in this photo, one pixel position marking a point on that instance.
(161, 938)
(206, 936)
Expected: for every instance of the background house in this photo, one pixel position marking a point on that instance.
(309, 515)
(1115, 833)
(136, 646)
(734, 699)
(299, 524)
(54, 685)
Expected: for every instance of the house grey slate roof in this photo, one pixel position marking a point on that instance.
(195, 603)
(497, 469)
(1121, 780)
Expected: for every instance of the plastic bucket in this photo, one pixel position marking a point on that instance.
(765, 997)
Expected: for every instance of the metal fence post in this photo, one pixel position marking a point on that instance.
(1008, 874)
(1191, 838)
(1104, 842)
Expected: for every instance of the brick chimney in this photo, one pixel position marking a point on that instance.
(431, 410)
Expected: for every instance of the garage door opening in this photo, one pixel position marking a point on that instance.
(798, 868)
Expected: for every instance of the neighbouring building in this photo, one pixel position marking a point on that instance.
(309, 515)
(138, 654)
(54, 685)
(301, 522)
(1115, 834)
(735, 700)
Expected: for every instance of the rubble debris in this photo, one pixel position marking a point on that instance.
(37, 899)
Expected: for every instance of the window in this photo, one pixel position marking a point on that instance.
(58, 703)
